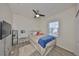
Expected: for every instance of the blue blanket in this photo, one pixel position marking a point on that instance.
(44, 40)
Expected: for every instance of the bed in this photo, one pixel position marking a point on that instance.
(43, 51)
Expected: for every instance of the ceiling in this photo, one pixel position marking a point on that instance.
(49, 9)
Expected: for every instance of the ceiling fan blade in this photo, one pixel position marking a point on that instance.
(34, 11)
(41, 15)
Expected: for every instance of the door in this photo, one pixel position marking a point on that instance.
(14, 37)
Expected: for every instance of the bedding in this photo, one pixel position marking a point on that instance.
(45, 39)
(43, 51)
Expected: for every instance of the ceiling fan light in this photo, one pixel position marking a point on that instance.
(37, 16)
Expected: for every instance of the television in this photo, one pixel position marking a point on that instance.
(5, 29)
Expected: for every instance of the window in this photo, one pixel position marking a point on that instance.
(54, 28)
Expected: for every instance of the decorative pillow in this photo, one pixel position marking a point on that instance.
(39, 33)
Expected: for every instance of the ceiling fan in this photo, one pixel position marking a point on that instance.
(37, 14)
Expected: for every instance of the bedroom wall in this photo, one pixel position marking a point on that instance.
(5, 14)
(22, 23)
(66, 36)
(77, 32)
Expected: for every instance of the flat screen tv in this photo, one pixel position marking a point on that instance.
(5, 29)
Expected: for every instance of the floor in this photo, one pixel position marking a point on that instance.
(26, 49)
(57, 51)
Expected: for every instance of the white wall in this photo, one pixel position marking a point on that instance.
(5, 14)
(66, 18)
(77, 32)
(22, 23)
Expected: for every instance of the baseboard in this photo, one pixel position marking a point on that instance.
(67, 50)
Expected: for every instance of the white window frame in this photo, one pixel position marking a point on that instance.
(56, 35)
